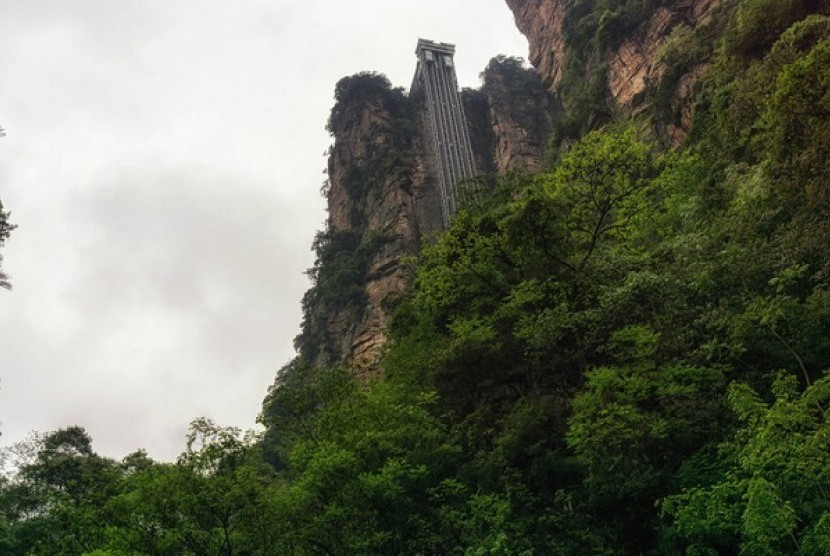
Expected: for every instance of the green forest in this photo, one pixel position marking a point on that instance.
(624, 355)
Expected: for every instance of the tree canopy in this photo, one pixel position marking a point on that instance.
(626, 354)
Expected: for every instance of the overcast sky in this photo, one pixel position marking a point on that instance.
(163, 163)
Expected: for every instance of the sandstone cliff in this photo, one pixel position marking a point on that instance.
(383, 203)
(635, 64)
(521, 114)
(542, 22)
(628, 42)
(380, 204)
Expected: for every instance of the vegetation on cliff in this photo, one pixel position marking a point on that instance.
(624, 355)
(375, 132)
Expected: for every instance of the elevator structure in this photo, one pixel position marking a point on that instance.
(448, 146)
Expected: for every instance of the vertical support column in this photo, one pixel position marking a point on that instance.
(451, 151)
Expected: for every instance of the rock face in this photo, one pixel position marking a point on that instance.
(380, 195)
(682, 105)
(632, 63)
(702, 11)
(510, 117)
(541, 21)
(521, 114)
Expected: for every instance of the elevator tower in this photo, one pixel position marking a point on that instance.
(449, 150)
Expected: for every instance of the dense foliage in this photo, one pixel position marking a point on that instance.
(625, 355)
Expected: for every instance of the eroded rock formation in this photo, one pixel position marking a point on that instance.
(383, 201)
(633, 66)
(521, 114)
(542, 22)
(632, 63)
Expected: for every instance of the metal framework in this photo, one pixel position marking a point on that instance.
(449, 146)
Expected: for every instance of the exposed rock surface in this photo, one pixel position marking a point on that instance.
(541, 21)
(632, 65)
(521, 113)
(393, 208)
(477, 110)
(702, 11)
